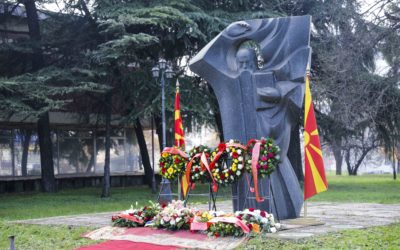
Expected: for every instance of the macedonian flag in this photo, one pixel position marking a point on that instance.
(179, 135)
(314, 176)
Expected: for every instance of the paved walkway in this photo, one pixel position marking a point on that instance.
(322, 217)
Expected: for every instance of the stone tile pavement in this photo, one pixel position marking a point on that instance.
(322, 217)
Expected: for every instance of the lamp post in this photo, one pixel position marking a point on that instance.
(161, 72)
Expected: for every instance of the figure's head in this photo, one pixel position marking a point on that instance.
(246, 59)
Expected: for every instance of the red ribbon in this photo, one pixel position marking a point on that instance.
(203, 162)
(254, 162)
(175, 151)
(130, 218)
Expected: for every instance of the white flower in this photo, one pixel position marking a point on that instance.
(240, 166)
(227, 150)
(231, 141)
(238, 172)
(162, 222)
(178, 219)
(240, 158)
(172, 222)
(239, 151)
(273, 230)
(278, 225)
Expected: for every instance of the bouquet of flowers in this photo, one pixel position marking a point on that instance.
(258, 220)
(136, 217)
(172, 165)
(268, 159)
(174, 217)
(224, 229)
(227, 162)
(198, 172)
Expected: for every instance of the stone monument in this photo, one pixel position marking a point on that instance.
(261, 101)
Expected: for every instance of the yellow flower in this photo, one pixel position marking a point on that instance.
(170, 170)
(233, 167)
(235, 161)
(226, 174)
(164, 155)
(233, 149)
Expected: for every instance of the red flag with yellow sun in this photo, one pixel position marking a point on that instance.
(314, 173)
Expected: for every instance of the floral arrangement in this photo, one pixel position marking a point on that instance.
(198, 172)
(136, 217)
(258, 220)
(224, 229)
(174, 217)
(227, 162)
(172, 165)
(268, 159)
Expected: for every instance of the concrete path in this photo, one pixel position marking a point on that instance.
(322, 217)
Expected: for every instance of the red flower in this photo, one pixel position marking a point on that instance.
(163, 170)
(196, 170)
(251, 209)
(131, 214)
(222, 147)
(263, 214)
(163, 205)
(263, 141)
(161, 164)
(114, 217)
(235, 155)
(140, 213)
(271, 155)
(146, 218)
(250, 226)
(216, 234)
(239, 217)
(230, 172)
(222, 176)
(177, 160)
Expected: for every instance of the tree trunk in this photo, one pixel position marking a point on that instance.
(107, 177)
(26, 138)
(148, 171)
(46, 148)
(337, 154)
(294, 153)
(46, 154)
(394, 161)
(34, 33)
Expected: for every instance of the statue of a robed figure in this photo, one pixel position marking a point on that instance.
(261, 102)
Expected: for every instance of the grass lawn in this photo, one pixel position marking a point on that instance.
(363, 188)
(383, 237)
(369, 188)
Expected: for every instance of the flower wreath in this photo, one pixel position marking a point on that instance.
(172, 163)
(268, 158)
(227, 162)
(198, 172)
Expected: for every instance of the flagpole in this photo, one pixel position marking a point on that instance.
(178, 145)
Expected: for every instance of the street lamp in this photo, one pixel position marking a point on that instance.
(162, 71)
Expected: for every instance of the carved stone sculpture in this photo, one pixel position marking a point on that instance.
(261, 102)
